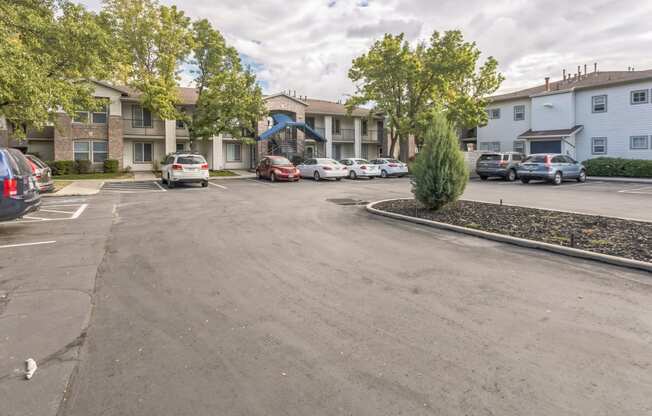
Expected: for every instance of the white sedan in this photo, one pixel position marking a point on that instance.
(360, 168)
(390, 167)
(322, 168)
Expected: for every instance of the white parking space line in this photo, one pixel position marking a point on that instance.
(39, 217)
(79, 211)
(640, 190)
(27, 244)
(56, 211)
(160, 187)
(217, 185)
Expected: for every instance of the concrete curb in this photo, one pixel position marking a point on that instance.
(620, 179)
(573, 252)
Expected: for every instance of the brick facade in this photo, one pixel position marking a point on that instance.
(63, 147)
(116, 139)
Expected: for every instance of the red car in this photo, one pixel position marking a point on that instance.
(277, 168)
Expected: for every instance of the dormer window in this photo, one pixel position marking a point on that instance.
(599, 103)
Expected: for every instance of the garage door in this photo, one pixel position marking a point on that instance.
(545, 146)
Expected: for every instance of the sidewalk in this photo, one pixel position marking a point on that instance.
(242, 174)
(620, 179)
(79, 188)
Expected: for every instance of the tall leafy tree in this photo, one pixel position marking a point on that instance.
(152, 43)
(408, 83)
(49, 50)
(230, 101)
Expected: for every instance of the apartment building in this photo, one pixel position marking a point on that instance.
(584, 115)
(124, 130)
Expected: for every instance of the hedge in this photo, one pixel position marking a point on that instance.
(612, 166)
(63, 167)
(111, 166)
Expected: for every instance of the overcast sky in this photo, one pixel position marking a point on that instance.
(308, 45)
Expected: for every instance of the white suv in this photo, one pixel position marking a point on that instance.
(184, 168)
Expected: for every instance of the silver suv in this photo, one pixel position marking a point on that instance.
(184, 168)
(504, 165)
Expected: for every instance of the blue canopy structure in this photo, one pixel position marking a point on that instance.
(281, 121)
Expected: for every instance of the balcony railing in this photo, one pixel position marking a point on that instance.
(373, 136)
(344, 135)
(132, 127)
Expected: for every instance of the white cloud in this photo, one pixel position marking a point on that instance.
(308, 45)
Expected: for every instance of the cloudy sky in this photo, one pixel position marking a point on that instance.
(308, 45)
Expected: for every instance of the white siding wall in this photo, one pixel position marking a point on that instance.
(244, 156)
(621, 121)
(115, 106)
(553, 112)
(505, 130)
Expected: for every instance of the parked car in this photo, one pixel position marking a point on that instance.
(390, 167)
(19, 193)
(42, 172)
(277, 168)
(503, 165)
(322, 168)
(360, 168)
(553, 168)
(184, 167)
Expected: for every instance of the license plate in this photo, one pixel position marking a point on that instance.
(191, 169)
(290, 176)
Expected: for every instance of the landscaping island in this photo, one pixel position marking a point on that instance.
(611, 236)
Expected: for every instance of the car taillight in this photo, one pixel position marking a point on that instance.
(548, 162)
(327, 168)
(363, 167)
(176, 167)
(10, 188)
(393, 165)
(204, 166)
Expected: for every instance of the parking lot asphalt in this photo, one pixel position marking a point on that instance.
(249, 298)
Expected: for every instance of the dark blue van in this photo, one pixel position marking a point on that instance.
(19, 193)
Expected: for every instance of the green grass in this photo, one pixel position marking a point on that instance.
(82, 176)
(222, 173)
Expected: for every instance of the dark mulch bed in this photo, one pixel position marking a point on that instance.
(616, 237)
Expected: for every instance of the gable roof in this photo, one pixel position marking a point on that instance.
(329, 107)
(592, 80)
(282, 94)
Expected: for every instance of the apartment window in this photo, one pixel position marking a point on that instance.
(141, 117)
(599, 103)
(181, 147)
(98, 116)
(233, 152)
(364, 127)
(181, 124)
(310, 121)
(598, 145)
(493, 113)
(336, 126)
(94, 150)
(638, 142)
(519, 146)
(519, 112)
(142, 152)
(490, 146)
(639, 97)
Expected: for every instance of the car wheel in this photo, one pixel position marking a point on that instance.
(204, 184)
(371, 177)
(511, 175)
(484, 178)
(316, 176)
(163, 181)
(525, 180)
(338, 179)
(353, 175)
(170, 183)
(582, 177)
(272, 177)
(557, 180)
(383, 173)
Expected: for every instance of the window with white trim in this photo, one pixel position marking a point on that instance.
(639, 97)
(493, 113)
(519, 146)
(599, 104)
(141, 117)
(233, 152)
(598, 145)
(638, 143)
(142, 152)
(519, 112)
(336, 126)
(96, 151)
(99, 116)
(490, 146)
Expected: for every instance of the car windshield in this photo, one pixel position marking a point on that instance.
(536, 159)
(38, 162)
(190, 160)
(362, 162)
(280, 161)
(327, 162)
(490, 157)
(393, 161)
